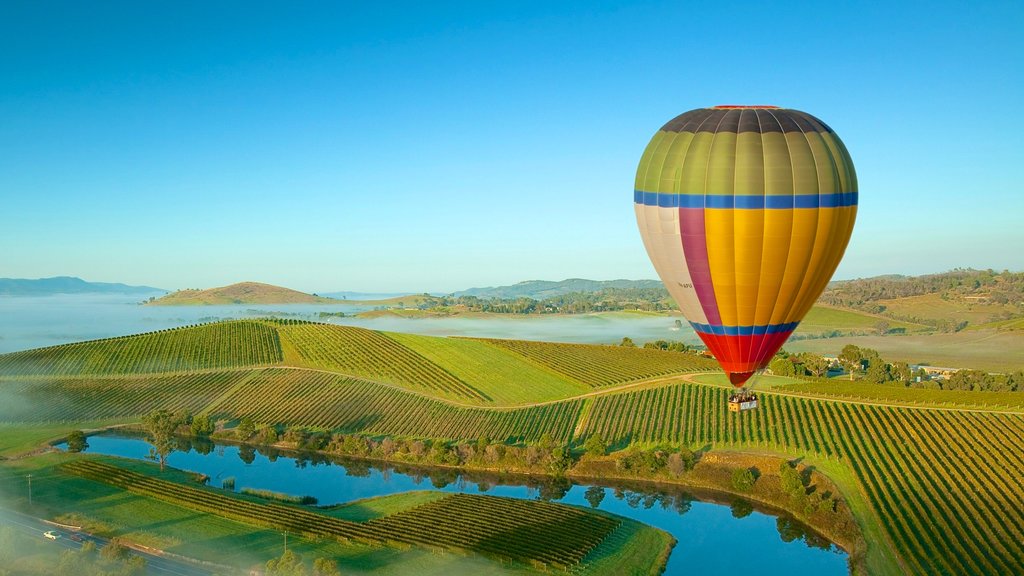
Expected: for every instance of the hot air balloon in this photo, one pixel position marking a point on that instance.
(745, 212)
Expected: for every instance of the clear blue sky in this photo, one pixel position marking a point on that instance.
(437, 146)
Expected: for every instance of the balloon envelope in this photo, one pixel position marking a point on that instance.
(745, 212)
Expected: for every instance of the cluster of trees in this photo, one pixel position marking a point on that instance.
(827, 509)
(113, 559)
(164, 428)
(1000, 287)
(673, 460)
(1005, 288)
(546, 455)
(291, 564)
(805, 364)
(608, 299)
(868, 365)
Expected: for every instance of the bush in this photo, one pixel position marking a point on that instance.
(743, 479)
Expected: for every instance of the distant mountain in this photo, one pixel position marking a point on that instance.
(372, 295)
(66, 285)
(241, 293)
(541, 289)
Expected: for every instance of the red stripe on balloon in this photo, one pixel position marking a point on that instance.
(731, 352)
(695, 249)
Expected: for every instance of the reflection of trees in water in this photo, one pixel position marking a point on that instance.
(358, 468)
(679, 500)
(741, 508)
(790, 529)
(554, 489)
(635, 495)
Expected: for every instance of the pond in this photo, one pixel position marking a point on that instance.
(713, 537)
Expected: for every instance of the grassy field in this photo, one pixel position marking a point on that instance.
(498, 373)
(231, 344)
(826, 319)
(880, 393)
(989, 350)
(167, 510)
(935, 307)
(915, 476)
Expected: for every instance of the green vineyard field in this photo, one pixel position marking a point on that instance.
(598, 366)
(502, 528)
(220, 345)
(371, 355)
(283, 396)
(946, 485)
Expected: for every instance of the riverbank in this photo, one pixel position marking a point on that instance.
(820, 511)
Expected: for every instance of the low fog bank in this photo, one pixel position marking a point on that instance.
(34, 322)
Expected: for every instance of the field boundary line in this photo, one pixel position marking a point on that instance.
(690, 378)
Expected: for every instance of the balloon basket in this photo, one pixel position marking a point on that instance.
(742, 400)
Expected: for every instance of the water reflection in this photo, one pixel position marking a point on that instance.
(706, 529)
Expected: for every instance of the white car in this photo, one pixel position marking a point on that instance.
(51, 534)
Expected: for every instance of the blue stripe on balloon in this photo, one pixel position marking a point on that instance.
(744, 330)
(746, 202)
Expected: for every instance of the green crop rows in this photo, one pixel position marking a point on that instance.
(63, 399)
(605, 365)
(284, 396)
(218, 345)
(884, 393)
(520, 530)
(371, 355)
(949, 485)
(552, 534)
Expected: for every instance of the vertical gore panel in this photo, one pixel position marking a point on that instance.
(721, 174)
(670, 172)
(722, 260)
(805, 226)
(778, 233)
(748, 227)
(693, 173)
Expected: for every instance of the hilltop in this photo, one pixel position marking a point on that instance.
(241, 293)
(66, 285)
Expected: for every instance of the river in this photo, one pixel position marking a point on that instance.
(713, 538)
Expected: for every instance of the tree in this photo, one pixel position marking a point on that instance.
(782, 367)
(792, 483)
(882, 327)
(595, 446)
(201, 426)
(160, 425)
(289, 564)
(627, 342)
(77, 441)
(852, 358)
(682, 461)
(246, 428)
(743, 479)
(560, 461)
(814, 364)
(325, 567)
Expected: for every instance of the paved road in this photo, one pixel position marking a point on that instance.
(157, 565)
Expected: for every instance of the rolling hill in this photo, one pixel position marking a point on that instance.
(66, 285)
(935, 486)
(541, 289)
(240, 293)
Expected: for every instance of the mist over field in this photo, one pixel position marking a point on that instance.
(34, 322)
